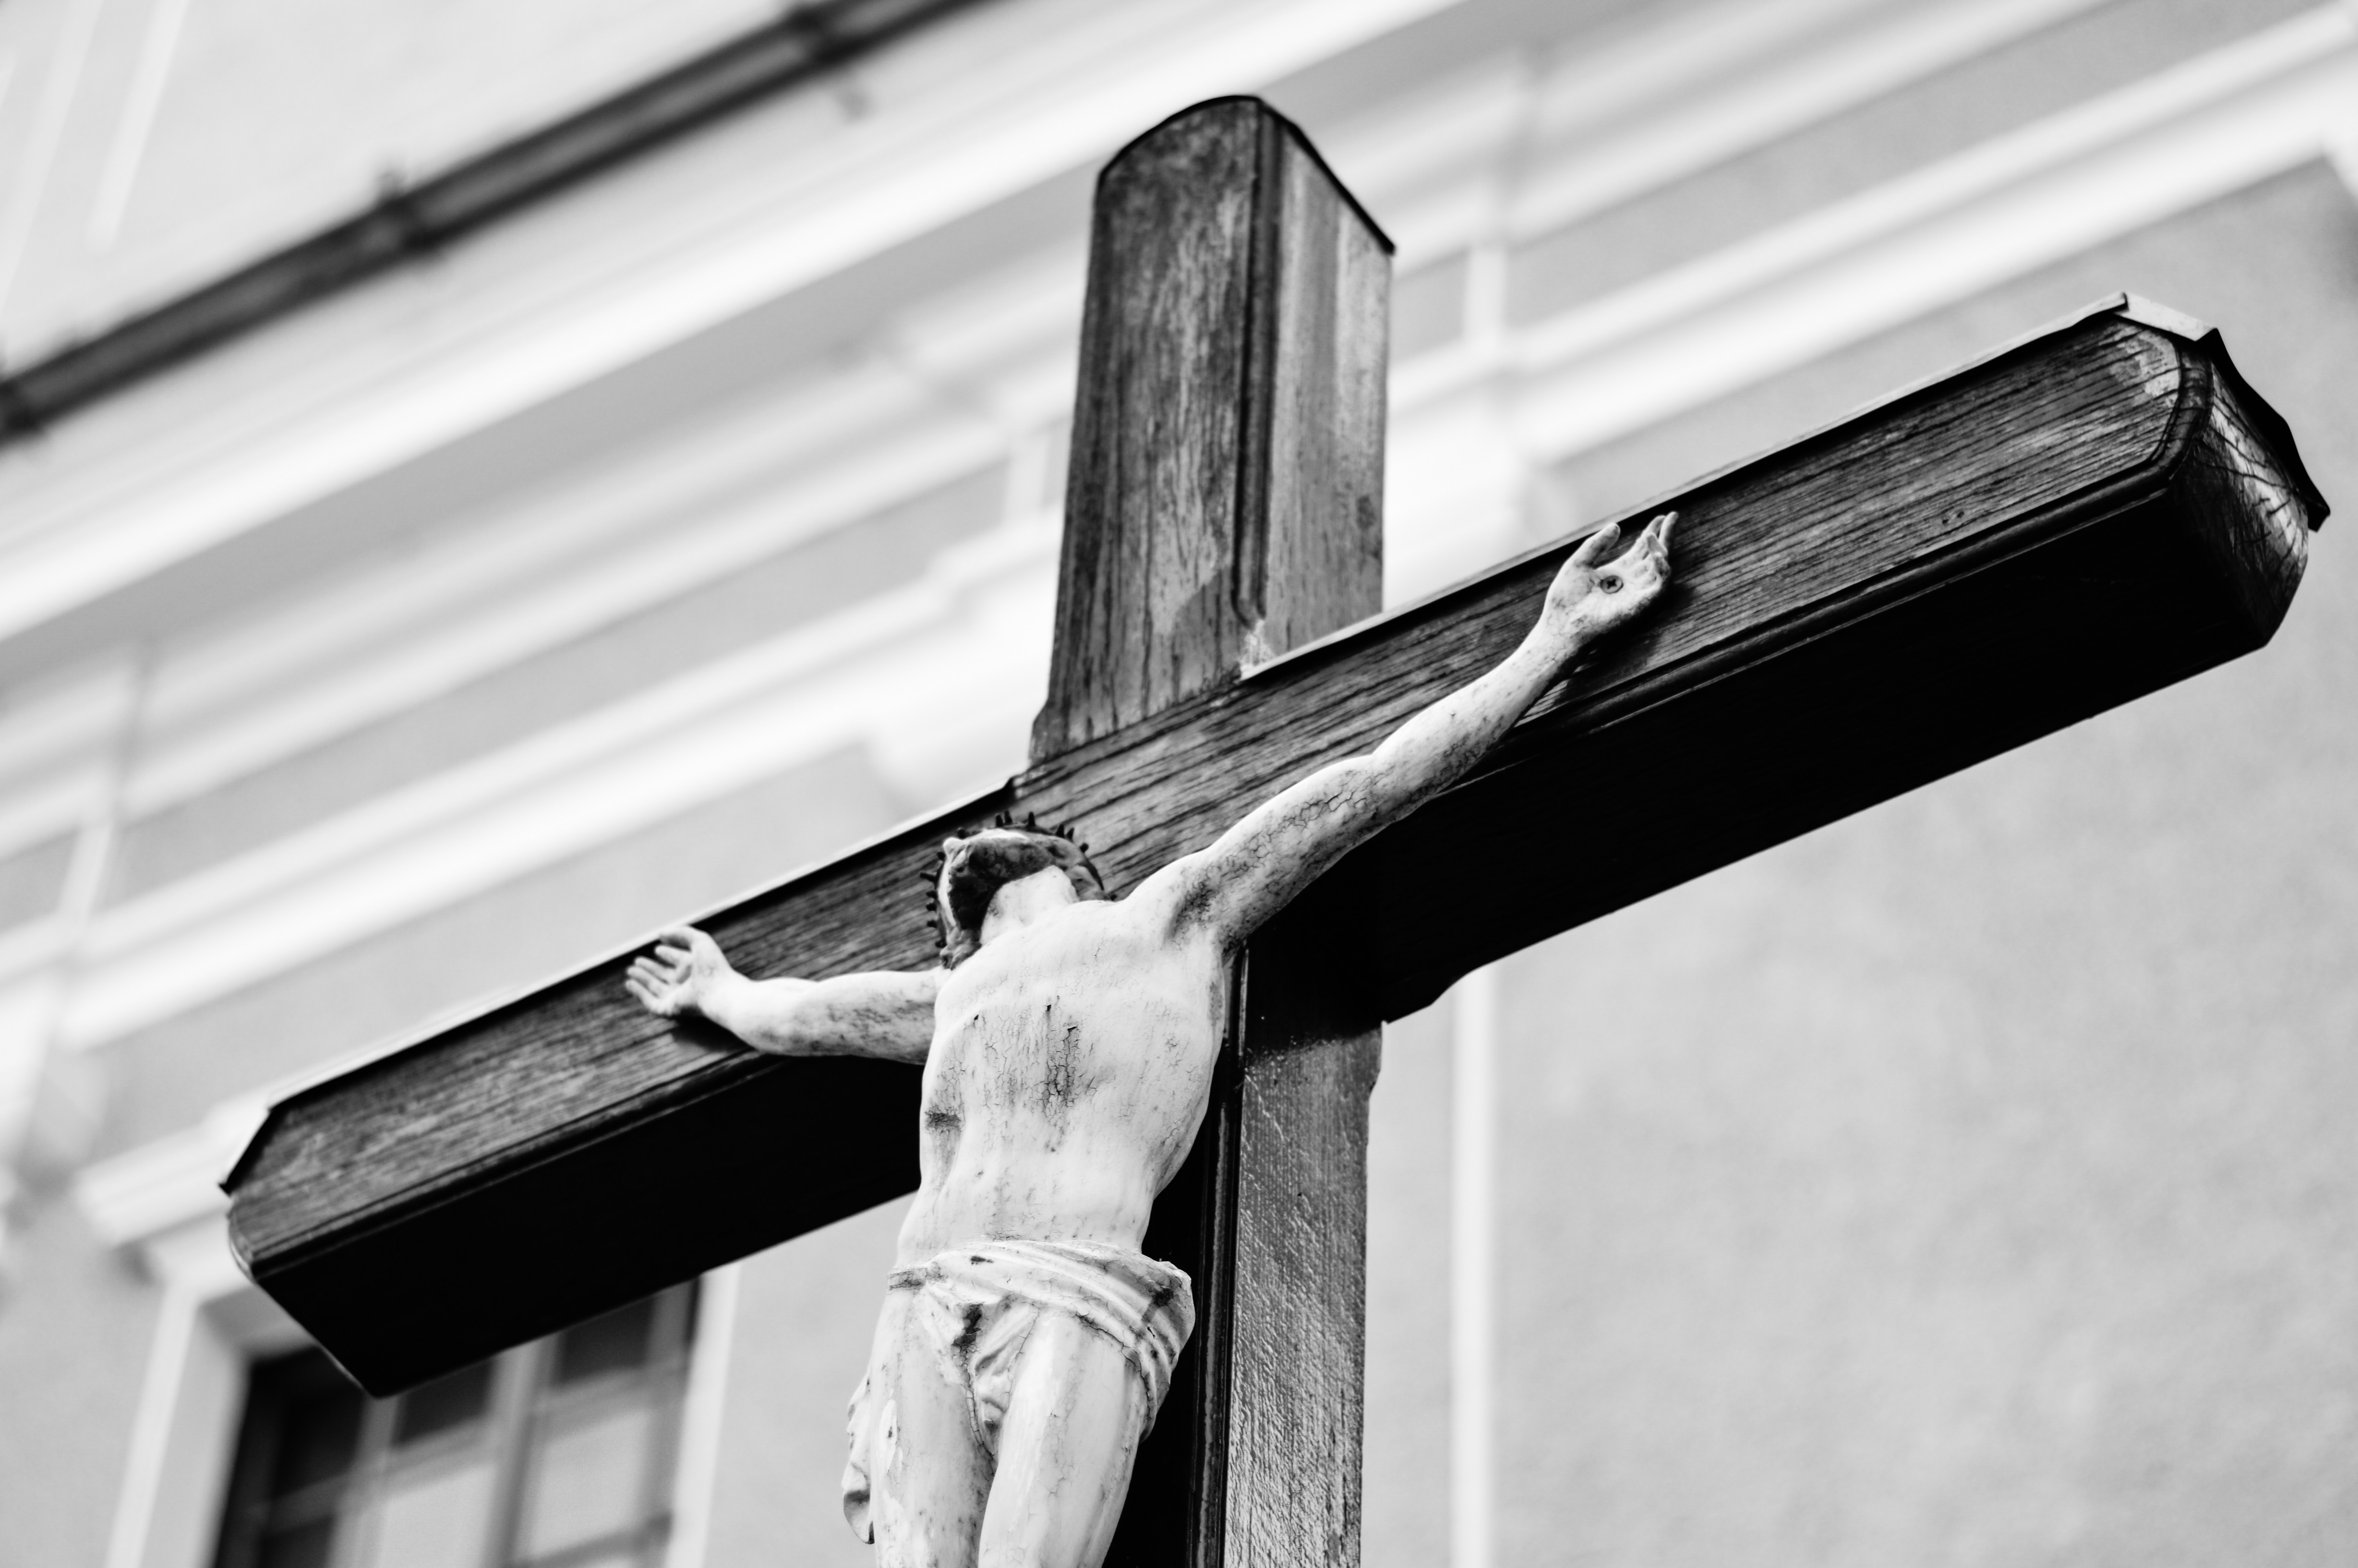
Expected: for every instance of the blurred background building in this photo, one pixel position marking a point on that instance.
(410, 588)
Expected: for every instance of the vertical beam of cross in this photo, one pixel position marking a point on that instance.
(1225, 505)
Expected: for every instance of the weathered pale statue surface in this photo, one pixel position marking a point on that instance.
(1068, 1043)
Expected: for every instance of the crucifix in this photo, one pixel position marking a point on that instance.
(1068, 1044)
(2069, 523)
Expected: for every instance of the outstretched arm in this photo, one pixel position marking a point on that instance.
(889, 1013)
(1258, 865)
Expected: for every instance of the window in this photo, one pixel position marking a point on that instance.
(555, 1455)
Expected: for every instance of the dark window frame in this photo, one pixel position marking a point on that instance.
(529, 1396)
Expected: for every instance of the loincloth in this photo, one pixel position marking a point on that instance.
(970, 1309)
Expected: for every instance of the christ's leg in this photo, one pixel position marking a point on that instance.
(1074, 1420)
(929, 1470)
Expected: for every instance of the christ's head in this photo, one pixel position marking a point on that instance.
(1002, 876)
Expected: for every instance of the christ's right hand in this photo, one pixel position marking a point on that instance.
(684, 973)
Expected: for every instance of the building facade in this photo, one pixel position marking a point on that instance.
(1968, 1182)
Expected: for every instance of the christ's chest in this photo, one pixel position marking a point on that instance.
(1073, 1011)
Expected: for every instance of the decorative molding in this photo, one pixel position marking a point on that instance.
(209, 1323)
(411, 221)
(69, 53)
(161, 1204)
(299, 681)
(1783, 80)
(528, 311)
(855, 679)
(1473, 1269)
(128, 146)
(1026, 316)
(135, 1198)
(873, 674)
(567, 564)
(1665, 102)
(697, 1472)
(563, 587)
(1940, 233)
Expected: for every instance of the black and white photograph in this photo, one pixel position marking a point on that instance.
(1178, 783)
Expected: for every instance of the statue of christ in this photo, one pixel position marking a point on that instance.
(1067, 1041)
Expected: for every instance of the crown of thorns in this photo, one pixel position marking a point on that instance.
(951, 941)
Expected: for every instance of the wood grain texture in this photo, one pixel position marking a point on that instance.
(2094, 514)
(1257, 345)
(1296, 1342)
(1173, 1515)
(1256, 1458)
(1225, 497)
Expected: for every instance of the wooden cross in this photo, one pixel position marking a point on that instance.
(2072, 522)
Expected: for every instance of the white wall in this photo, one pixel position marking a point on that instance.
(701, 523)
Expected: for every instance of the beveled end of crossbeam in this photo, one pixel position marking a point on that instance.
(2094, 512)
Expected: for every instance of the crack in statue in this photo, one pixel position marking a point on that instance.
(1067, 1041)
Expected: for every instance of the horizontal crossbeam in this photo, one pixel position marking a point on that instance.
(2081, 518)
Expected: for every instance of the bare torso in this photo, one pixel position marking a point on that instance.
(1071, 1065)
(1069, 1057)
(1068, 1063)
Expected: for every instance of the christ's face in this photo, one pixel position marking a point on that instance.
(1025, 900)
(998, 878)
